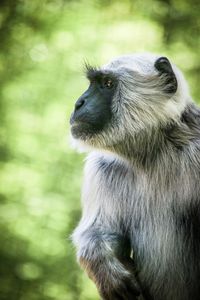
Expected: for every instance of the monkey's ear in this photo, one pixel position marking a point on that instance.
(164, 67)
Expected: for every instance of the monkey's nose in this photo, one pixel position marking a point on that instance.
(79, 103)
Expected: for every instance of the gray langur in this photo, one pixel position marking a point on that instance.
(139, 236)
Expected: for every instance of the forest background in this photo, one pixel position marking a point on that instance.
(43, 45)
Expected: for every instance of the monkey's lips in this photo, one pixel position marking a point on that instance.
(79, 127)
(76, 119)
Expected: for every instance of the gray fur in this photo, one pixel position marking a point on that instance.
(142, 185)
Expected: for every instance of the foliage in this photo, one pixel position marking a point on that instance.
(43, 46)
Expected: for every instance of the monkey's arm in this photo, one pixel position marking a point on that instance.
(101, 249)
(105, 258)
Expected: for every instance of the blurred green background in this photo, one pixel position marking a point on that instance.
(43, 45)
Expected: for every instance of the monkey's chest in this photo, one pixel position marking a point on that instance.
(165, 236)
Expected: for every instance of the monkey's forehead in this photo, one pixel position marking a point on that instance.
(138, 62)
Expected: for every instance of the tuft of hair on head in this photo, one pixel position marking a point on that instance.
(90, 71)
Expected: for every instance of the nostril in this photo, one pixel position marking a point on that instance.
(79, 104)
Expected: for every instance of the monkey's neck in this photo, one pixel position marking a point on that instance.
(149, 147)
(143, 149)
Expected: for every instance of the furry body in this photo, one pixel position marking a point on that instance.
(141, 195)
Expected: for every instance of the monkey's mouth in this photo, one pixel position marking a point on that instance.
(85, 126)
(76, 120)
(80, 128)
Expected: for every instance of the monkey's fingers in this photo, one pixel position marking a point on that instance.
(126, 290)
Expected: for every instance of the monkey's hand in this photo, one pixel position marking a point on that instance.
(114, 280)
(106, 258)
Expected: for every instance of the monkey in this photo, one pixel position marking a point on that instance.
(139, 235)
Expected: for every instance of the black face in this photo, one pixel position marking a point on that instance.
(93, 109)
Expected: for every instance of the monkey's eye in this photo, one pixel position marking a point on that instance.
(107, 83)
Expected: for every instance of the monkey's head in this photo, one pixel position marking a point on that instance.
(130, 94)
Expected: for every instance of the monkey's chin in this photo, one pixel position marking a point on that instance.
(82, 137)
(82, 131)
(80, 145)
(86, 137)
